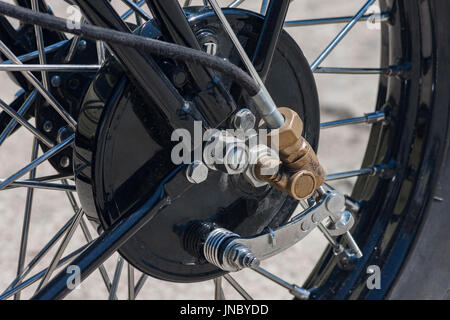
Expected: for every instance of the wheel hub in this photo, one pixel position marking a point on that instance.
(123, 151)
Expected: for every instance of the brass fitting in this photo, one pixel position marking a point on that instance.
(300, 173)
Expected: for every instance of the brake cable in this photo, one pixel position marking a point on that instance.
(152, 46)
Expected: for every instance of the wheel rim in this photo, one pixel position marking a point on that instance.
(316, 280)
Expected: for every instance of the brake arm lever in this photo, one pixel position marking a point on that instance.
(272, 242)
(230, 252)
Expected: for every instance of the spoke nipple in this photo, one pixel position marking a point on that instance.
(82, 45)
(48, 126)
(300, 293)
(64, 162)
(56, 81)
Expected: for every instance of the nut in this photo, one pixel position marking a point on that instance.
(244, 120)
(197, 172)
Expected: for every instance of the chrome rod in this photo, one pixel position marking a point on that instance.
(377, 17)
(34, 54)
(298, 292)
(236, 3)
(116, 278)
(137, 9)
(353, 245)
(21, 112)
(264, 5)
(57, 257)
(27, 218)
(33, 184)
(50, 67)
(341, 35)
(50, 153)
(73, 48)
(368, 118)
(40, 45)
(336, 246)
(218, 291)
(41, 254)
(332, 70)
(54, 177)
(20, 119)
(131, 292)
(25, 284)
(140, 284)
(38, 85)
(351, 174)
(264, 103)
(88, 236)
(237, 287)
(130, 12)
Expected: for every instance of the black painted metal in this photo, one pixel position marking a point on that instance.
(142, 69)
(116, 123)
(270, 34)
(102, 248)
(208, 93)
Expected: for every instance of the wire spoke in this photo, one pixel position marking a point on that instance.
(50, 67)
(41, 254)
(20, 119)
(68, 236)
(137, 9)
(237, 287)
(131, 292)
(350, 174)
(298, 292)
(38, 85)
(341, 35)
(25, 284)
(33, 184)
(21, 112)
(368, 118)
(130, 12)
(116, 279)
(26, 218)
(218, 291)
(236, 3)
(40, 44)
(88, 236)
(264, 6)
(381, 17)
(50, 153)
(34, 54)
(140, 284)
(333, 70)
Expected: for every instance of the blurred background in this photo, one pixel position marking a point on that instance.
(340, 149)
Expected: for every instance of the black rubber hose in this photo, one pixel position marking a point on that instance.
(152, 46)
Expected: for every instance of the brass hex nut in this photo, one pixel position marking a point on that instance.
(287, 139)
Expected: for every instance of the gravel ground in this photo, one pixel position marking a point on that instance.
(340, 149)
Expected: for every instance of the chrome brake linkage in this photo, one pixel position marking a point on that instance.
(230, 252)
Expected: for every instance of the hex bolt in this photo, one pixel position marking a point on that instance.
(48, 126)
(64, 162)
(56, 81)
(345, 219)
(244, 120)
(197, 172)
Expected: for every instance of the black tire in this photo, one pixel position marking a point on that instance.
(403, 224)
